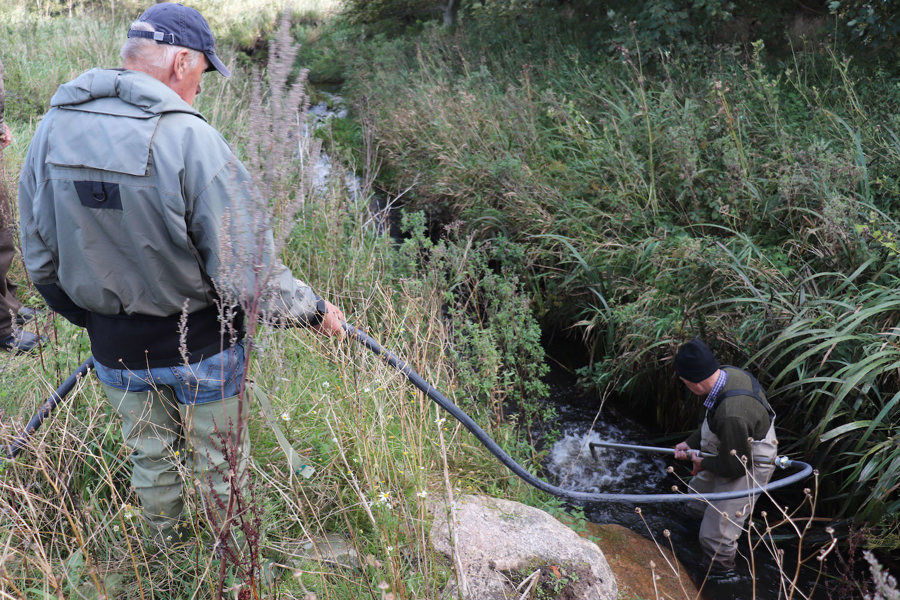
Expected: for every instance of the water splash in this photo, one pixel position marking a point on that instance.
(570, 461)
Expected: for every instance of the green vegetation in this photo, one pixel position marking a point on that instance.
(745, 196)
(555, 177)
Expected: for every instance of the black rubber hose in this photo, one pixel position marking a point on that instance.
(47, 407)
(429, 390)
(805, 470)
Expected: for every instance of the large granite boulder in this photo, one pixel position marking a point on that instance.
(500, 549)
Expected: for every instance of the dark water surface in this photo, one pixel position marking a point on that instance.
(570, 464)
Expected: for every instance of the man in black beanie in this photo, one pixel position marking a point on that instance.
(739, 424)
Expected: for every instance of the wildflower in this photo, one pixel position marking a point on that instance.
(422, 494)
(285, 416)
(335, 440)
(440, 421)
(325, 384)
(384, 497)
(366, 390)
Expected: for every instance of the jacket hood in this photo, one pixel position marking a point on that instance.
(136, 88)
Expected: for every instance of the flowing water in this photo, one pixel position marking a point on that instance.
(571, 464)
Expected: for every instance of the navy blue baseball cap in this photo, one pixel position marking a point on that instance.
(182, 26)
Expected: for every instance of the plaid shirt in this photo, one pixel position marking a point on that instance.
(720, 383)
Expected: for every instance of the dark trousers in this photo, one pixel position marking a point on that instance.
(9, 302)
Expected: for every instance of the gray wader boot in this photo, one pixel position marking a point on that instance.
(220, 449)
(156, 427)
(724, 521)
(151, 429)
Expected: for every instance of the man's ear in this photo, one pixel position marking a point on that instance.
(181, 63)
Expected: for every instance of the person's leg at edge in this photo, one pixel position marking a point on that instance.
(151, 429)
(13, 338)
(214, 415)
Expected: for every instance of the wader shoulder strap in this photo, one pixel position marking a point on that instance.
(296, 464)
(755, 393)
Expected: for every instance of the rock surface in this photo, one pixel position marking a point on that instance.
(630, 556)
(506, 550)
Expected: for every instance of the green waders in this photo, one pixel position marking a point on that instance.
(172, 442)
(723, 520)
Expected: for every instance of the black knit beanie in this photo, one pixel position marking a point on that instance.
(695, 361)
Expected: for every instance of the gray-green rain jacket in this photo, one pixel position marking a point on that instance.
(134, 211)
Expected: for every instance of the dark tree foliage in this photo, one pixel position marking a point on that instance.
(873, 23)
(870, 24)
(404, 11)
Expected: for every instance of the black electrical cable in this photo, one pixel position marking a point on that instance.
(430, 391)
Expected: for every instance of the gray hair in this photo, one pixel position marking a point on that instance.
(148, 53)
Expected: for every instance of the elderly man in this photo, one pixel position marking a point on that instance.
(739, 427)
(137, 223)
